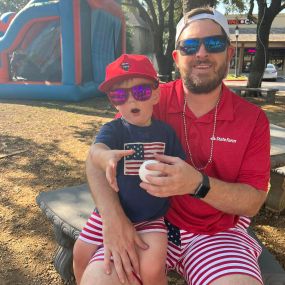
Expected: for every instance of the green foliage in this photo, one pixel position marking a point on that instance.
(129, 34)
(129, 29)
(232, 77)
(235, 6)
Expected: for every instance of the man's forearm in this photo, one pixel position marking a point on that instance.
(180, 178)
(104, 196)
(121, 240)
(235, 198)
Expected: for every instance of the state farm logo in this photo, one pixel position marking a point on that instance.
(220, 139)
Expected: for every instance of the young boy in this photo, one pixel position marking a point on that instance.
(132, 86)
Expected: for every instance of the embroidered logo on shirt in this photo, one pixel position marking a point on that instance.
(143, 151)
(228, 140)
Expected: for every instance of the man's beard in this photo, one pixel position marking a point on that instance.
(200, 84)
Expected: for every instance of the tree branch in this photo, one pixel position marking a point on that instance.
(160, 14)
(171, 28)
(249, 14)
(153, 14)
(144, 14)
(274, 8)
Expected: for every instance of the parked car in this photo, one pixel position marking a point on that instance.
(270, 72)
(247, 67)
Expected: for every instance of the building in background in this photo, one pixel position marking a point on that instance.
(142, 40)
(247, 42)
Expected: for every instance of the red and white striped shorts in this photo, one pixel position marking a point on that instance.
(201, 259)
(92, 231)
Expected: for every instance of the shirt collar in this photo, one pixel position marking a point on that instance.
(225, 108)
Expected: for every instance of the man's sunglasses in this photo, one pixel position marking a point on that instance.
(213, 44)
(139, 92)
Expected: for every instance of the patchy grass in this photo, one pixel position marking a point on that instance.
(54, 138)
(232, 77)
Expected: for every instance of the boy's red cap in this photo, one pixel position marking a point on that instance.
(126, 66)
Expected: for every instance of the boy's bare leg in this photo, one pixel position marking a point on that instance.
(152, 265)
(153, 260)
(95, 275)
(82, 253)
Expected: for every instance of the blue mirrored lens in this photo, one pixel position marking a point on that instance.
(189, 46)
(213, 44)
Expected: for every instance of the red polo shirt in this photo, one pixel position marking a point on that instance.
(241, 152)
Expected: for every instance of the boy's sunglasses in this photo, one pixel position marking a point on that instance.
(139, 92)
(213, 44)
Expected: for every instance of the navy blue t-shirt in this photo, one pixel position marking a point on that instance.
(157, 138)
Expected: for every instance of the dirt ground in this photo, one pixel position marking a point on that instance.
(43, 146)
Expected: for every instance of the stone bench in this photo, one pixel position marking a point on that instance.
(276, 197)
(257, 92)
(68, 210)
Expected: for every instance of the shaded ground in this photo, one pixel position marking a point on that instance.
(43, 146)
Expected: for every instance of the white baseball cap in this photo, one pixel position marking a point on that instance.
(218, 17)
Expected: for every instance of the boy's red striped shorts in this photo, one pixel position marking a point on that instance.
(200, 259)
(92, 231)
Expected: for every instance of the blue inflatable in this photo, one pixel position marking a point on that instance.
(59, 49)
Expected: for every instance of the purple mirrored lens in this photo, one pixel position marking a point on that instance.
(141, 92)
(118, 96)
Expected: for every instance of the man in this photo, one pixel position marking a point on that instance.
(223, 182)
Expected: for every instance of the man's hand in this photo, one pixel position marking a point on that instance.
(178, 177)
(121, 241)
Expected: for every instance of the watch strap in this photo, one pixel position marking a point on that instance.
(203, 189)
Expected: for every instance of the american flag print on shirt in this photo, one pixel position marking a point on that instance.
(143, 151)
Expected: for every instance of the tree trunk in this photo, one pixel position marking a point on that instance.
(165, 66)
(266, 15)
(261, 56)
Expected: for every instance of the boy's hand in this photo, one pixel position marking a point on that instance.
(107, 159)
(111, 160)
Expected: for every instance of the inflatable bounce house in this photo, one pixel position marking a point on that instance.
(58, 50)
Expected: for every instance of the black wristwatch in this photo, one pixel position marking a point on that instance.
(203, 189)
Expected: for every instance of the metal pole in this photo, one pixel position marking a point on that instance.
(236, 57)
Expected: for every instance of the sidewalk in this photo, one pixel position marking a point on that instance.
(279, 84)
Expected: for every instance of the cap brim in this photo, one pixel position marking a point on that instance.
(107, 85)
